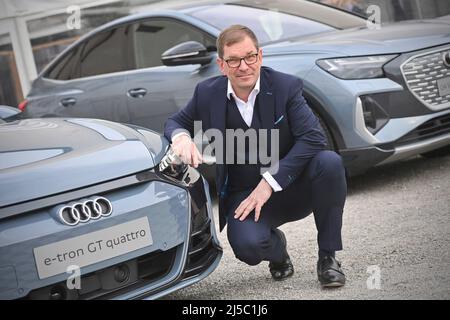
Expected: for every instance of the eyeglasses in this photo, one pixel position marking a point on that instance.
(236, 62)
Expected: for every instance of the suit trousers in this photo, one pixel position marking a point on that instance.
(320, 189)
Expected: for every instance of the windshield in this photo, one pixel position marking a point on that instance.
(391, 10)
(268, 25)
(357, 7)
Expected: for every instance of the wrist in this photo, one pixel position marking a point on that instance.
(179, 135)
(266, 185)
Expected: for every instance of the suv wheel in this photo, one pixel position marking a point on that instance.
(330, 142)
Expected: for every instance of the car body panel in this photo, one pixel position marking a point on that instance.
(63, 160)
(389, 39)
(165, 206)
(51, 163)
(165, 93)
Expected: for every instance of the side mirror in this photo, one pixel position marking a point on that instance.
(189, 52)
(8, 113)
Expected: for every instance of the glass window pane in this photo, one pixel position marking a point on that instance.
(152, 38)
(394, 10)
(50, 35)
(106, 52)
(45, 52)
(68, 67)
(268, 25)
(10, 88)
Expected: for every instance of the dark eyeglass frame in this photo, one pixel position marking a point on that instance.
(251, 55)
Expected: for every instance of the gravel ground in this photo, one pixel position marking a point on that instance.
(396, 221)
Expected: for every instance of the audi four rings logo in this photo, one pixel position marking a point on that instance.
(84, 210)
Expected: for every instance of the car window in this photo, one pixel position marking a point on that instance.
(103, 53)
(153, 37)
(66, 68)
(268, 25)
(133, 46)
(106, 52)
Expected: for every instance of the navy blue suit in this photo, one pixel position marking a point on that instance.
(312, 178)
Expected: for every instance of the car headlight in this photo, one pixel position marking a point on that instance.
(356, 67)
(171, 165)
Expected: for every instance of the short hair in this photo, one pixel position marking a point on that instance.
(234, 34)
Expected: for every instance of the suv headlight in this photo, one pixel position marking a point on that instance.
(172, 166)
(356, 67)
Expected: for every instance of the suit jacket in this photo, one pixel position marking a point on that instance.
(282, 107)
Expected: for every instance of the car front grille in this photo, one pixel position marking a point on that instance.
(430, 129)
(202, 251)
(421, 74)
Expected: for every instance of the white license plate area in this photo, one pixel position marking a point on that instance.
(87, 249)
(444, 86)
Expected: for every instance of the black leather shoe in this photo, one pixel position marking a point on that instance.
(285, 269)
(330, 273)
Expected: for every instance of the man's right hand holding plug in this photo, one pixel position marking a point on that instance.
(185, 148)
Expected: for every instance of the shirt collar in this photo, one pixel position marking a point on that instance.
(230, 90)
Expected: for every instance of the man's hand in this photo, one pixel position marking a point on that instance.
(185, 148)
(255, 200)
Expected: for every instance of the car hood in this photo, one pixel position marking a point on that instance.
(391, 38)
(43, 157)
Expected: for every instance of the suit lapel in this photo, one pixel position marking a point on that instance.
(218, 109)
(266, 100)
(218, 120)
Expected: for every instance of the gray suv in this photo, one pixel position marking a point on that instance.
(381, 95)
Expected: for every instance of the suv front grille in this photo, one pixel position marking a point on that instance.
(428, 130)
(421, 74)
